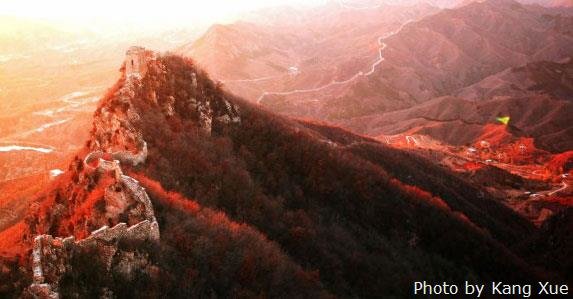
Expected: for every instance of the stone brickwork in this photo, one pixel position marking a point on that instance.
(50, 256)
(136, 59)
(95, 160)
(140, 195)
(130, 158)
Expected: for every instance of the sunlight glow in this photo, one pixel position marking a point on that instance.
(138, 11)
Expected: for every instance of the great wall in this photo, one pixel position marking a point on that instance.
(116, 141)
(51, 255)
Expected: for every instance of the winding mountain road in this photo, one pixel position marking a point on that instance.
(371, 70)
(565, 186)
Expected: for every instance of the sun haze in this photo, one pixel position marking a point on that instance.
(137, 11)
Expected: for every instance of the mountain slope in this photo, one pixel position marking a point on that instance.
(440, 54)
(290, 49)
(306, 192)
(536, 96)
(326, 211)
(554, 241)
(541, 77)
(513, 58)
(549, 3)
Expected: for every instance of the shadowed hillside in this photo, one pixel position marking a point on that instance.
(280, 206)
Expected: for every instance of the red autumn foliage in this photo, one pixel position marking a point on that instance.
(496, 134)
(561, 163)
(10, 240)
(268, 168)
(473, 166)
(171, 199)
(277, 202)
(422, 195)
(229, 257)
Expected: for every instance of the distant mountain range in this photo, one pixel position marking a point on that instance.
(457, 52)
(316, 42)
(455, 3)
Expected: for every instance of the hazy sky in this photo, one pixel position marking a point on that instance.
(138, 11)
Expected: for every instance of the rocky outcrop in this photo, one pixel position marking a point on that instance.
(232, 114)
(229, 115)
(114, 128)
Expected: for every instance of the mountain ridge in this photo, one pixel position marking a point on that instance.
(249, 164)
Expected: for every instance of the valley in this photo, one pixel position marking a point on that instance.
(538, 193)
(377, 98)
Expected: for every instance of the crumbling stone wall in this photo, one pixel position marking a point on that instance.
(130, 158)
(95, 160)
(51, 256)
(139, 193)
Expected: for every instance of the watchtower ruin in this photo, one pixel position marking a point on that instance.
(136, 62)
